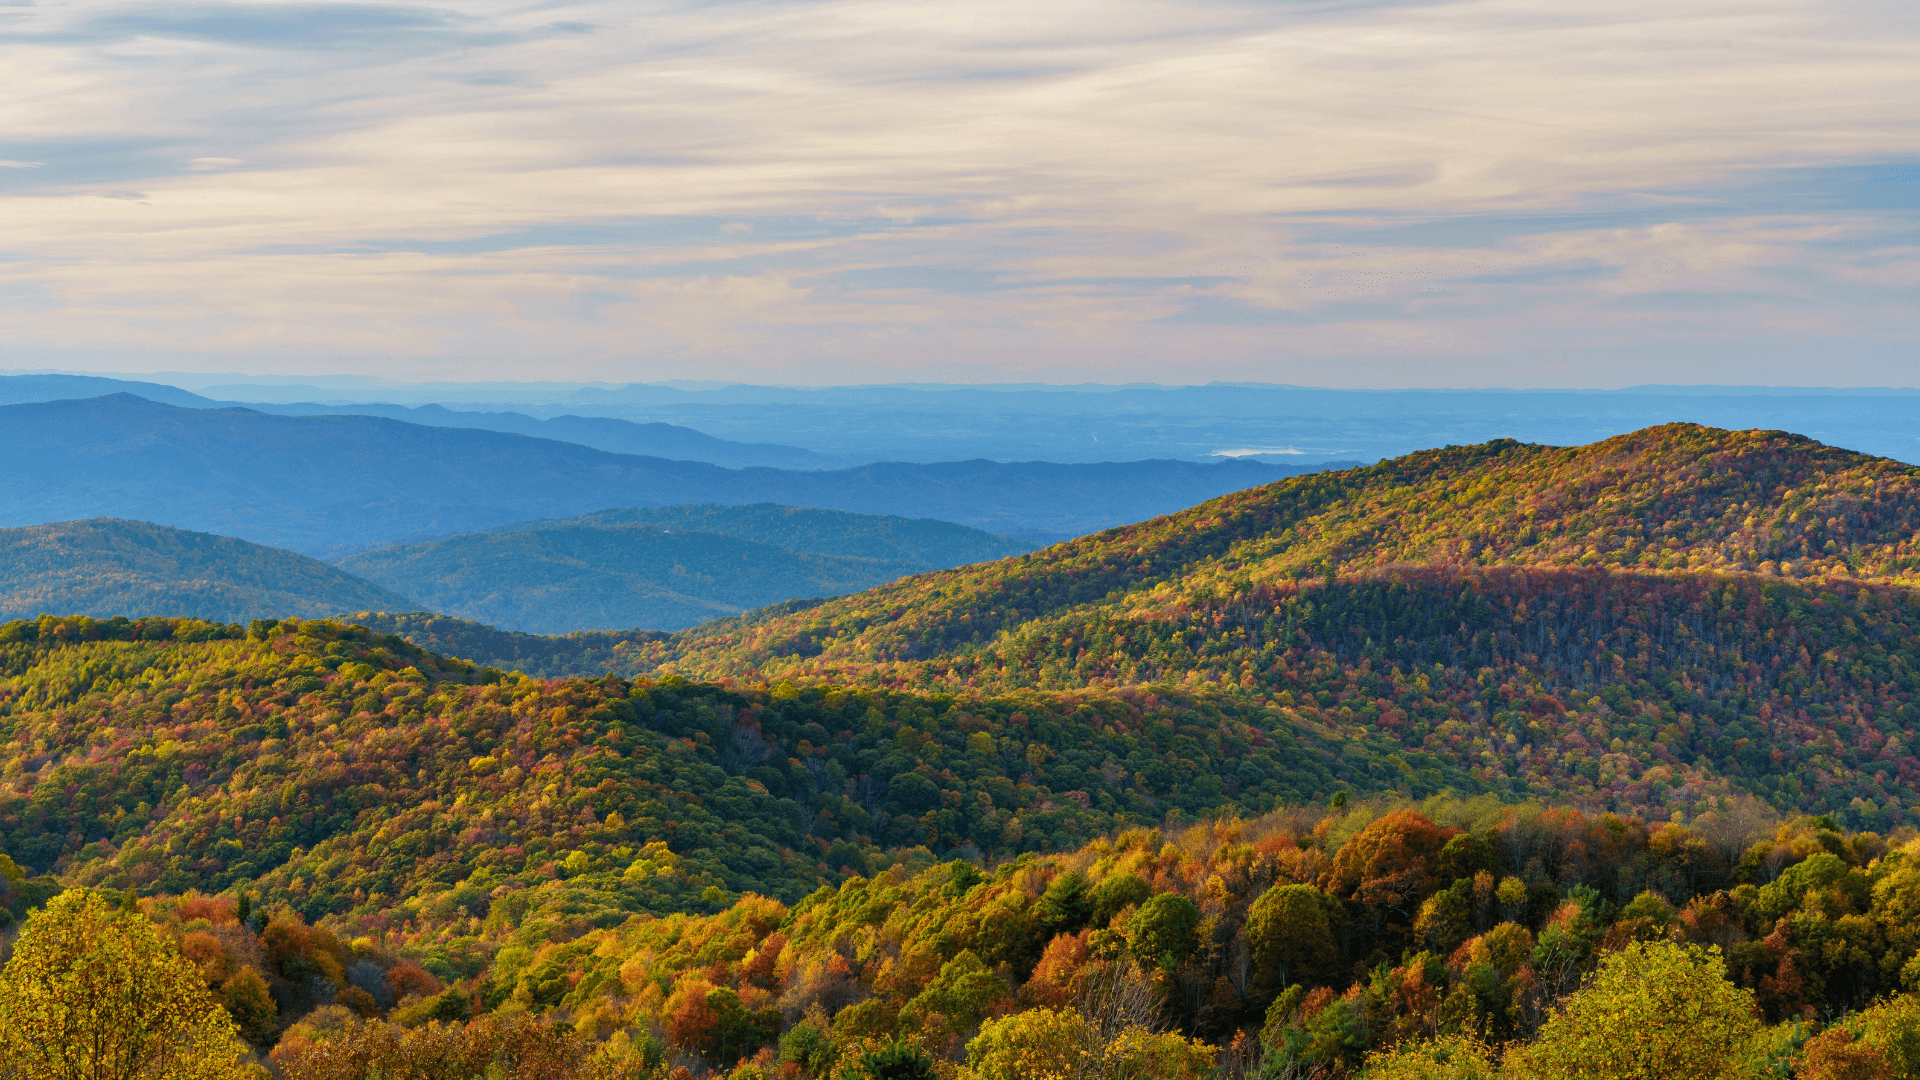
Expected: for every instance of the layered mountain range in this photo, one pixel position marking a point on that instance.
(330, 485)
(632, 570)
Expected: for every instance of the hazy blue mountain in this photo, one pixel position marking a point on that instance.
(106, 567)
(567, 577)
(1301, 427)
(600, 432)
(923, 542)
(328, 484)
(1295, 424)
(20, 389)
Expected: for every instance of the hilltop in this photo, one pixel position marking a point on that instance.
(105, 567)
(1676, 498)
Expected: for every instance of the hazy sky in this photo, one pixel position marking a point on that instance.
(1491, 192)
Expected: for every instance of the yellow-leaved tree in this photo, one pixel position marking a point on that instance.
(95, 992)
(1449, 1057)
(1050, 1044)
(1654, 1011)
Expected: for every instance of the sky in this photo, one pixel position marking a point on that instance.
(1372, 194)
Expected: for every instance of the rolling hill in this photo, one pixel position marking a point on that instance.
(926, 542)
(574, 577)
(664, 569)
(105, 567)
(332, 484)
(1634, 622)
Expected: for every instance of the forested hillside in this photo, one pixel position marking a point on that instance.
(104, 567)
(376, 858)
(1662, 628)
(168, 754)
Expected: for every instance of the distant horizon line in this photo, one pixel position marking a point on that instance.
(201, 381)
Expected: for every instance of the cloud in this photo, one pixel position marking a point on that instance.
(1074, 190)
(323, 26)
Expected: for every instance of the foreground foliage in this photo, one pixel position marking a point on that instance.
(93, 992)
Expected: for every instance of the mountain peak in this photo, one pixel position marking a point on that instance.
(1679, 497)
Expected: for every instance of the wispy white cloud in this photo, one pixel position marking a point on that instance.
(855, 189)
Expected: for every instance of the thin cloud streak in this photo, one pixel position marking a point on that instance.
(993, 190)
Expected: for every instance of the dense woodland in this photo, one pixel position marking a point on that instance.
(1182, 800)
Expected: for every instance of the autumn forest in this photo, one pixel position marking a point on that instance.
(1455, 766)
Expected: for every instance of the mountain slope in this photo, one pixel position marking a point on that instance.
(1610, 621)
(1672, 498)
(106, 567)
(581, 577)
(332, 483)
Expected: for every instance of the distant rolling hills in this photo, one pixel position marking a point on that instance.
(599, 432)
(667, 568)
(659, 569)
(106, 567)
(927, 543)
(334, 484)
